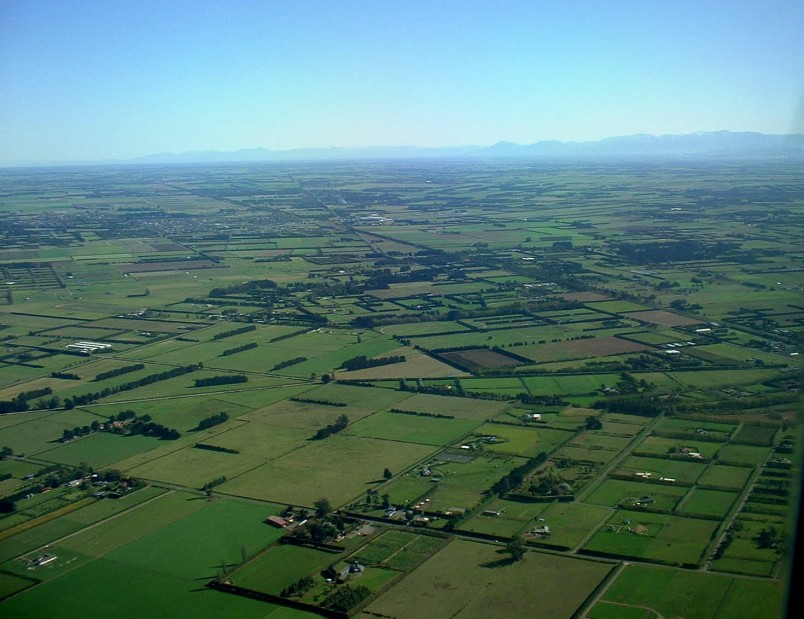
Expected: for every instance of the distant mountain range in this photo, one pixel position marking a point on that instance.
(705, 144)
(701, 145)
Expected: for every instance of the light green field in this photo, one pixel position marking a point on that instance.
(461, 581)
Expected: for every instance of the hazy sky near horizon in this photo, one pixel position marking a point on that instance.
(90, 80)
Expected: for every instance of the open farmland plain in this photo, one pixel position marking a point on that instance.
(338, 389)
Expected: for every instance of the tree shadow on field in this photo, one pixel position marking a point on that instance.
(490, 565)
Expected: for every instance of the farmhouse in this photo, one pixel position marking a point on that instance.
(278, 521)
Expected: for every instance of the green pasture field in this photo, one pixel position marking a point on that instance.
(457, 582)
(664, 336)
(398, 550)
(41, 431)
(725, 476)
(669, 539)
(150, 592)
(478, 474)
(705, 502)
(445, 497)
(756, 435)
(184, 414)
(683, 471)
(281, 566)
(710, 379)
(407, 489)
(522, 441)
(596, 440)
(612, 610)
(514, 518)
(744, 454)
(259, 440)
(351, 463)
(661, 446)
(11, 584)
(569, 385)
(571, 523)
(99, 449)
(417, 329)
(193, 468)
(263, 397)
(614, 492)
(744, 546)
(460, 408)
(695, 595)
(599, 456)
(493, 384)
(196, 545)
(413, 429)
(305, 416)
(615, 426)
(712, 429)
(18, 468)
(616, 307)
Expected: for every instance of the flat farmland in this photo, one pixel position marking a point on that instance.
(522, 441)
(280, 567)
(571, 385)
(685, 472)
(616, 492)
(460, 408)
(195, 467)
(694, 595)
(580, 349)
(705, 502)
(662, 318)
(661, 446)
(99, 449)
(571, 523)
(480, 359)
(669, 539)
(504, 518)
(460, 573)
(417, 364)
(413, 429)
(725, 476)
(352, 462)
(743, 454)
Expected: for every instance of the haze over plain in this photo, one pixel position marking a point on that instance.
(97, 80)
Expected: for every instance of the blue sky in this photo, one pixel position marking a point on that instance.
(85, 79)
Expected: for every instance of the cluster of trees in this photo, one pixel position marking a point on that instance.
(321, 402)
(399, 411)
(150, 428)
(20, 403)
(65, 375)
(514, 479)
(237, 349)
(286, 364)
(226, 379)
(345, 597)
(88, 398)
(549, 484)
(132, 424)
(246, 288)
(593, 423)
(215, 482)
(118, 372)
(225, 334)
(361, 362)
(213, 420)
(333, 428)
(640, 404)
(298, 588)
(544, 400)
